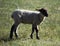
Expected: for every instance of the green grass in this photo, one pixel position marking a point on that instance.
(49, 30)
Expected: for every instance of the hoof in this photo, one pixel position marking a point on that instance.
(16, 36)
(31, 36)
(38, 38)
(10, 38)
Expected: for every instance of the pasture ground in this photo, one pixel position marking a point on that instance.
(49, 30)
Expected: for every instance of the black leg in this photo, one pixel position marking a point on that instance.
(32, 32)
(11, 32)
(36, 32)
(15, 31)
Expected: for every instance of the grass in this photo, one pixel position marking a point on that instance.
(49, 30)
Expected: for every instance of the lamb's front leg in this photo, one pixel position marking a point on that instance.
(37, 33)
(32, 32)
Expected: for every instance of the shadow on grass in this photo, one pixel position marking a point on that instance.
(5, 39)
(8, 39)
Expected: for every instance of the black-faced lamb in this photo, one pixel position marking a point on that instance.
(28, 17)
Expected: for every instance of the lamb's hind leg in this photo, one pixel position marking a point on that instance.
(11, 32)
(13, 29)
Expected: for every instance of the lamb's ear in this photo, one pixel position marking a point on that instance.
(37, 9)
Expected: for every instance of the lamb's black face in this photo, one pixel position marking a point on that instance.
(44, 12)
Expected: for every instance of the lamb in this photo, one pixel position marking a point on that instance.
(28, 17)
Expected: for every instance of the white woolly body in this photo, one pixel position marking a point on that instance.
(29, 11)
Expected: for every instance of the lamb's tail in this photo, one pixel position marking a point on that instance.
(12, 16)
